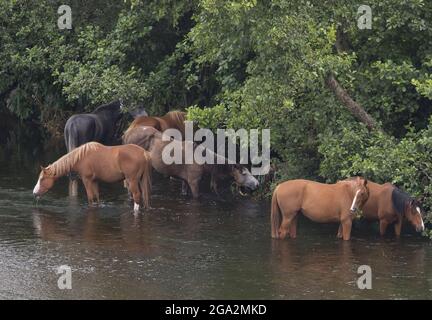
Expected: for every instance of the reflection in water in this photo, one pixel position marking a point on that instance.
(188, 249)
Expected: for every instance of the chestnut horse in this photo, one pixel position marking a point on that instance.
(152, 140)
(94, 161)
(171, 120)
(99, 126)
(319, 202)
(388, 204)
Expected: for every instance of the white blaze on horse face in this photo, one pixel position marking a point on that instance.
(37, 187)
(354, 201)
(422, 227)
(136, 207)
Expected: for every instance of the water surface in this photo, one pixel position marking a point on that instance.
(187, 249)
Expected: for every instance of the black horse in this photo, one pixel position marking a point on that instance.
(99, 126)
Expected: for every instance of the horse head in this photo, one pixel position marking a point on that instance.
(243, 178)
(135, 111)
(361, 193)
(414, 215)
(45, 181)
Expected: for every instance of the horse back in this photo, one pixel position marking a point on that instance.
(83, 128)
(290, 194)
(146, 121)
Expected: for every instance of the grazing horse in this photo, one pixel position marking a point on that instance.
(94, 161)
(171, 120)
(99, 126)
(319, 202)
(388, 204)
(152, 140)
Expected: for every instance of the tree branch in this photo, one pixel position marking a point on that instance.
(356, 110)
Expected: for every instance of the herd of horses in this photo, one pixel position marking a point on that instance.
(91, 159)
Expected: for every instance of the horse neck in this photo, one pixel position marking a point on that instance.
(351, 186)
(223, 168)
(109, 112)
(374, 187)
(110, 116)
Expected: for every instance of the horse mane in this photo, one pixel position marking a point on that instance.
(64, 164)
(177, 117)
(401, 200)
(111, 106)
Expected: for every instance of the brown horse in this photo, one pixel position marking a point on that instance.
(319, 202)
(171, 120)
(388, 204)
(152, 140)
(94, 161)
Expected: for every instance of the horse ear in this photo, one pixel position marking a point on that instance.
(365, 182)
(42, 168)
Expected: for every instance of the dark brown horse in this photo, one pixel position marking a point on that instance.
(171, 120)
(152, 140)
(94, 161)
(390, 205)
(99, 126)
(319, 202)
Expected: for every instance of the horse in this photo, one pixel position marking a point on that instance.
(171, 120)
(388, 204)
(95, 162)
(154, 142)
(319, 202)
(99, 126)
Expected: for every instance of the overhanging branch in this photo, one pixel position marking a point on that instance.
(356, 110)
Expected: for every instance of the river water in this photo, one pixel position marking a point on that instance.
(205, 249)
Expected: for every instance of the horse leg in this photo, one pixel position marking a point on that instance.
(398, 227)
(73, 187)
(285, 227)
(126, 185)
(88, 184)
(346, 228)
(339, 234)
(293, 227)
(95, 186)
(194, 187)
(213, 185)
(383, 227)
(185, 188)
(136, 194)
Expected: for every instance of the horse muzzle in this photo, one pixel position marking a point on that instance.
(420, 228)
(252, 185)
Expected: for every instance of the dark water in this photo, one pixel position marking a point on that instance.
(187, 249)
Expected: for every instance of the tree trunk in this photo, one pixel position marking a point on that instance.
(355, 109)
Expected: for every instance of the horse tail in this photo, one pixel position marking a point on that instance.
(71, 143)
(275, 216)
(70, 135)
(145, 182)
